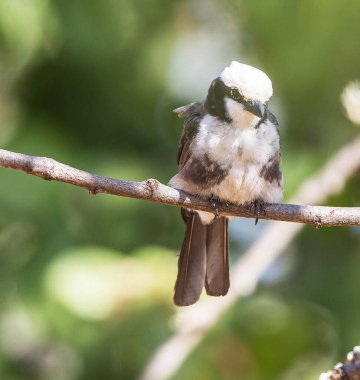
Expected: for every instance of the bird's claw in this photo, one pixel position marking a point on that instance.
(257, 207)
(214, 203)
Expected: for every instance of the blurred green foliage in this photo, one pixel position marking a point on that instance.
(86, 282)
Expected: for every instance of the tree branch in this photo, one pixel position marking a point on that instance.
(152, 190)
(192, 323)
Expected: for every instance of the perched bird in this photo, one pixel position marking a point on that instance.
(229, 151)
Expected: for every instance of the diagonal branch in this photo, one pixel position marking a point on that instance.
(153, 190)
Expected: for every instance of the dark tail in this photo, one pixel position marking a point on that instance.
(203, 260)
(217, 258)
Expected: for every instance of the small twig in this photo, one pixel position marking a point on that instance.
(350, 370)
(153, 190)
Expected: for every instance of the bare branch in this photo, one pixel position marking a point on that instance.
(193, 322)
(153, 190)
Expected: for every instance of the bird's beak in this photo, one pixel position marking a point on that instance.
(259, 109)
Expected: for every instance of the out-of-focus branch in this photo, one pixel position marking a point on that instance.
(153, 190)
(193, 322)
(350, 370)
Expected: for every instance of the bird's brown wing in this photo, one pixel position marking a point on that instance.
(192, 260)
(193, 112)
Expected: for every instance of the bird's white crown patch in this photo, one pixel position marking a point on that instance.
(252, 83)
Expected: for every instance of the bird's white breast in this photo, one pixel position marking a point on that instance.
(234, 146)
(245, 151)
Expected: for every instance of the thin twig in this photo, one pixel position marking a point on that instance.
(350, 370)
(153, 190)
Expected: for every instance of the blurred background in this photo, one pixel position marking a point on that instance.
(86, 282)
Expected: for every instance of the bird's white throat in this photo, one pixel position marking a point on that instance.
(239, 116)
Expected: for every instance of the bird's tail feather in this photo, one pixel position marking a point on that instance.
(203, 260)
(217, 258)
(192, 262)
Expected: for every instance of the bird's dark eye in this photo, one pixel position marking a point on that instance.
(235, 94)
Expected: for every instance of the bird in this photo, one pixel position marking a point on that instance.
(229, 151)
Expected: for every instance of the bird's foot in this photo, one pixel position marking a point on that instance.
(257, 207)
(214, 203)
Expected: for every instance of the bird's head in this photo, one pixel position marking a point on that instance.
(241, 92)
